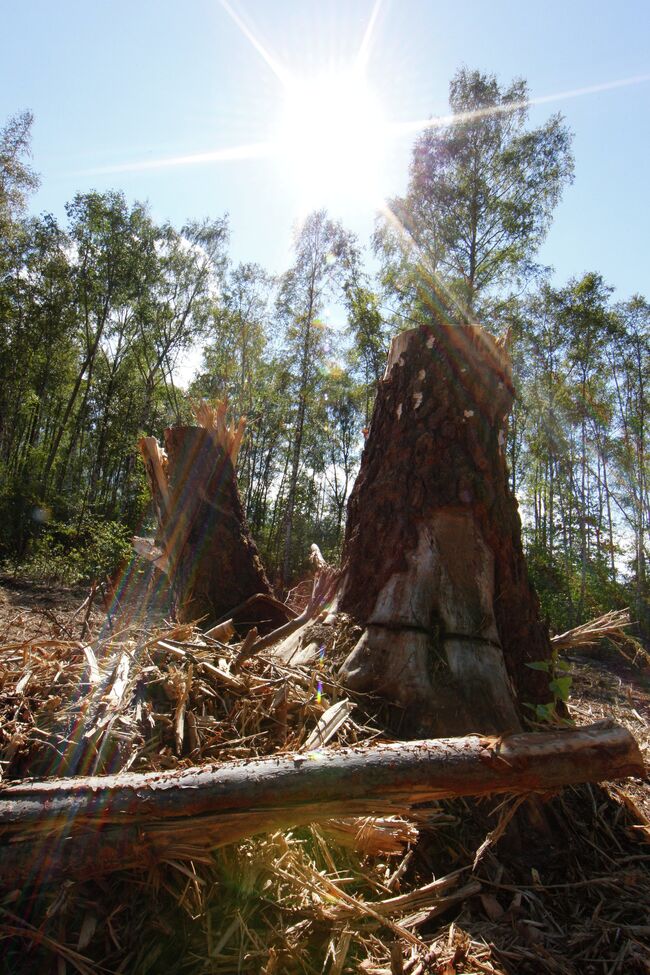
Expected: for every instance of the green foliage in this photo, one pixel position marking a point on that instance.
(581, 366)
(74, 553)
(17, 178)
(324, 260)
(96, 313)
(481, 195)
(559, 687)
(93, 316)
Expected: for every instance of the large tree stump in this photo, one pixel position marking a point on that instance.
(433, 561)
(207, 549)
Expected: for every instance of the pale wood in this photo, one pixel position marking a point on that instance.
(212, 417)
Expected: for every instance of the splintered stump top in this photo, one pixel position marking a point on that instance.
(211, 558)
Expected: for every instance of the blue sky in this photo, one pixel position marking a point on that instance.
(117, 84)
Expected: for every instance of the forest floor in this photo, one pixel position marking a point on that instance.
(605, 684)
(573, 903)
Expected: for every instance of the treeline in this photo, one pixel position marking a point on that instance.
(93, 318)
(96, 316)
(578, 447)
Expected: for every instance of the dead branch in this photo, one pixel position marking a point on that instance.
(84, 826)
(325, 584)
(609, 626)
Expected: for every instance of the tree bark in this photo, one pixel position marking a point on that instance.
(433, 561)
(84, 826)
(208, 552)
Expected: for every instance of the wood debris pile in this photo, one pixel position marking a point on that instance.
(167, 699)
(350, 895)
(612, 627)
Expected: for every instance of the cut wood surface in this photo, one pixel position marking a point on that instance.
(84, 826)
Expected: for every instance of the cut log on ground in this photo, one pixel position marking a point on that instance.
(206, 547)
(433, 561)
(85, 826)
(262, 611)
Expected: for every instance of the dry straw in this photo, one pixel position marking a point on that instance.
(351, 895)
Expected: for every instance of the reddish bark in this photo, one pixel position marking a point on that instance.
(433, 476)
(213, 562)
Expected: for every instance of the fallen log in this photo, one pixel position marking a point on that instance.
(87, 826)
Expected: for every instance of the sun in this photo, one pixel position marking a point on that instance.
(332, 138)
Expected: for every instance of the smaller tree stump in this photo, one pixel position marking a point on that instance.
(210, 557)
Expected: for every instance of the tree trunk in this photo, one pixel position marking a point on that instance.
(87, 826)
(208, 552)
(433, 561)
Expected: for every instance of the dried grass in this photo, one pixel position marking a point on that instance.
(569, 895)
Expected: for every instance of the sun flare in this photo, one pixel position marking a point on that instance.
(332, 138)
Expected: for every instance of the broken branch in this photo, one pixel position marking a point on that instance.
(92, 825)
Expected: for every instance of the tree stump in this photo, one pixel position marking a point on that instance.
(207, 549)
(433, 562)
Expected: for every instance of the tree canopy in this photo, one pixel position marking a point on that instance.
(481, 195)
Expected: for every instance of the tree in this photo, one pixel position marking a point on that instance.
(539, 449)
(581, 453)
(434, 567)
(175, 309)
(584, 317)
(481, 195)
(110, 241)
(97, 315)
(321, 249)
(238, 336)
(342, 429)
(629, 360)
(38, 331)
(235, 366)
(370, 338)
(17, 178)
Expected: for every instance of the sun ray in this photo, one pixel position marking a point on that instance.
(366, 43)
(253, 150)
(276, 67)
(408, 128)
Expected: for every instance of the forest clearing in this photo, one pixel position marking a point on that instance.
(280, 780)
(348, 894)
(324, 491)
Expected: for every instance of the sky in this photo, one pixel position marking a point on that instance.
(204, 107)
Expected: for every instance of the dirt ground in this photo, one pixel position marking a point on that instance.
(31, 609)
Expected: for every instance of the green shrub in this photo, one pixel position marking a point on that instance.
(78, 553)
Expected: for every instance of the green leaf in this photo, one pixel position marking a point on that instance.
(560, 687)
(562, 665)
(545, 712)
(540, 665)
